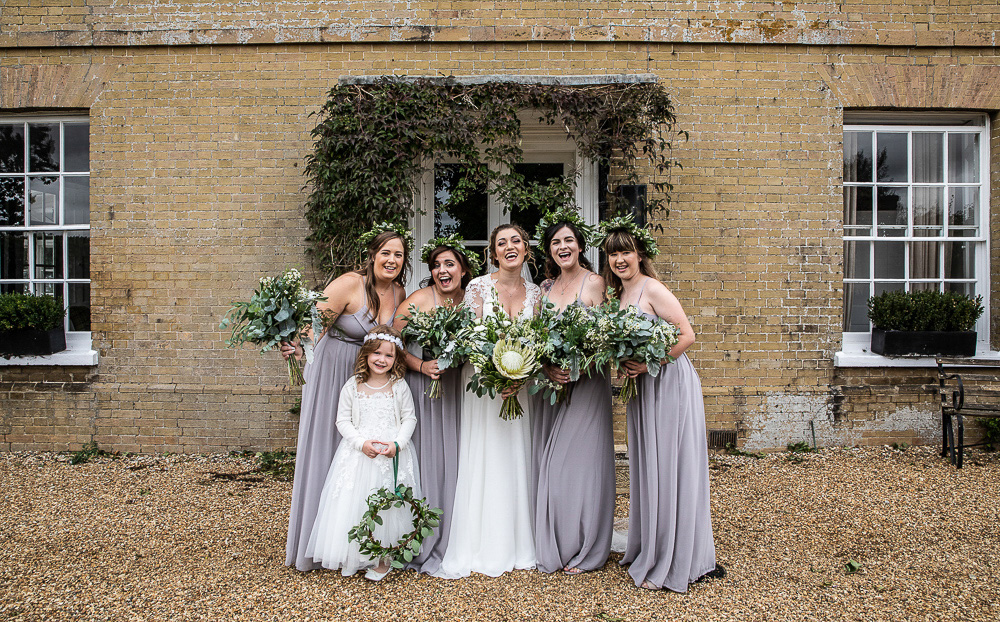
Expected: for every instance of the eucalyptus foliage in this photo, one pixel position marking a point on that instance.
(372, 140)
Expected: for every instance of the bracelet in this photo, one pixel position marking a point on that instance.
(422, 366)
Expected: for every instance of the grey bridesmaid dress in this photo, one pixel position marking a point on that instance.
(670, 542)
(435, 440)
(333, 363)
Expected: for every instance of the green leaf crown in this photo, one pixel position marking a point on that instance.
(456, 243)
(568, 214)
(625, 223)
(400, 229)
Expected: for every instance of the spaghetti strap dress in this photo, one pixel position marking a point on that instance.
(575, 476)
(333, 363)
(670, 541)
(435, 441)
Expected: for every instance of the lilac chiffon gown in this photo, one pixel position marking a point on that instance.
(575, 476)
(670, 542)
(333, 363)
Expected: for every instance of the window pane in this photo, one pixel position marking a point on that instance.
(924, 260)
(43, 147)
(881, 288)
(13, 288)
(858, 210)
(963, 212)
(79, 307)
(76, 146)
(76, 204)
(11, 202)
(893, 157)
(963, 158)
(539, 175)
(928, 211)
(467, 217)
(857, 260)
(44, 197)
(969, 289)
(13, 255)
(892, 212)
(11, 148)
(928, 157)
(48, 256)
(889, 260)
(78, 250)
(858, 156)
(856, 307)
(49, 289)
(958, 261)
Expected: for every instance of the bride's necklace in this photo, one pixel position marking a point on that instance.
(510, 295)
(377, 388)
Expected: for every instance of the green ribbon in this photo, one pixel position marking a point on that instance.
(395, 472)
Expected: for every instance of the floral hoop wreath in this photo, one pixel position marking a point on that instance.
(401, 230)
(425, 519)
(385, 337)
(564, 214)
(625, 223)
(456, 243)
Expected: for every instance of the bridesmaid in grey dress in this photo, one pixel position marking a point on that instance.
(359, 300)
(573, 447)
(670, 542)
(436, 436)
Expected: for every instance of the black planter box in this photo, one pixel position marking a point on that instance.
(31, 342)
(924, 343)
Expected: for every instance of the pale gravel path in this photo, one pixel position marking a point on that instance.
(155, 538)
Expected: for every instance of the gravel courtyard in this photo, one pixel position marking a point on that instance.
(176, 538)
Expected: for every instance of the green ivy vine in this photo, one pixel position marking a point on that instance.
(373, 139)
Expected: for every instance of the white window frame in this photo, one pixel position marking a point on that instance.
(79, 345)
(855, 350)
(540, 143)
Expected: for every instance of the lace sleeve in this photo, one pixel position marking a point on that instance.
(477, 293)
(532, 298)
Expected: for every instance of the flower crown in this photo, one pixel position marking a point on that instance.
(564, 214)
(400, 229)
(456, 243)
(385, 337)
(624, 223)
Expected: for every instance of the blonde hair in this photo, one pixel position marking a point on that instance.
(361, 363)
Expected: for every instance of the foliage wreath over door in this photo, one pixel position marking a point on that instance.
(373, 139)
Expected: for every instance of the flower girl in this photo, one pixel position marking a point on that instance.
(375, 416)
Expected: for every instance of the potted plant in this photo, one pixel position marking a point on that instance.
(31, 325)
(924, 323)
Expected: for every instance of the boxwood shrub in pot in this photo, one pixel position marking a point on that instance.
(925, 323)
(31, 325)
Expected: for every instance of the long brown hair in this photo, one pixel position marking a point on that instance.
(552, 269)
(361, 363)
(529, 256)
(618, 242)
(368, 270)
(459, 257)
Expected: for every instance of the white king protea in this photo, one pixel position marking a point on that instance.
(513, 360)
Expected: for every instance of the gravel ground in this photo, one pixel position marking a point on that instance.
(166, 538)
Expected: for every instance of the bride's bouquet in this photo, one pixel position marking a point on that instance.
(635, 337)
(505, 353)
(437, 332)
(577, 338)
(280, 309)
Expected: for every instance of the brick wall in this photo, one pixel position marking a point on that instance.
(197, 153)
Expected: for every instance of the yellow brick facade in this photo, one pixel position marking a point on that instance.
(200, 121)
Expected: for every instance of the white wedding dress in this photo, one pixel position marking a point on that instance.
(491, 526)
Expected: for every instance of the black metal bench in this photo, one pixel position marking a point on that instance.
(965, 392)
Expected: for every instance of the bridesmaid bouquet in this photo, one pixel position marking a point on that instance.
(577, 338)
(635, 337)
(437, 333)
(505, 353)
(281, 309)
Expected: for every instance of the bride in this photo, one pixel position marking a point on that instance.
(491, 527)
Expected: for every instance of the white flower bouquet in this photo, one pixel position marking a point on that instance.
(577, 341)
(281, 309)
(437, 332)
(635, 337)
(505, 353)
